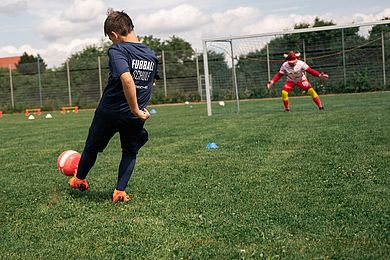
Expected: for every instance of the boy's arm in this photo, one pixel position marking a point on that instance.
(131, 96)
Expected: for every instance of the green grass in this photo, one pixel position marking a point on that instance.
(307, 184)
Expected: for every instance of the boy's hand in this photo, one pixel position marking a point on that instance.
(143, 114)
(269, 84)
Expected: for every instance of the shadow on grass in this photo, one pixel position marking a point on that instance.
(91, 195)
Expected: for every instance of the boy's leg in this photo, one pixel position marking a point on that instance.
(87, 160)
(125, 170)
(99, 135)
(131, 142)
(120, 195)
(127, 164)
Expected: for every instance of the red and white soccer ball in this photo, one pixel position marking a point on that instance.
(68, 162)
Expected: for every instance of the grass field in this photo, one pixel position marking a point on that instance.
(306, 184)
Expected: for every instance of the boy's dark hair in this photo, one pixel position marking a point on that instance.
(119, 22)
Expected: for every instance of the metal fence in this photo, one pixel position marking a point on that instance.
(81, 82)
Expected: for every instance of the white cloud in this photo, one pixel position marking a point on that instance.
(178, 19)
(363, 18)
(78, 26)
(13, 7)
(275, 23)
(56, 53)
(242, 12)
(82, 17)
(84, 10)
(8, 51)
(190, 23)
(56, 28)
(231, 21)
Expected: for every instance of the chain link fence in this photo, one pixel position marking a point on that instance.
(81, 81)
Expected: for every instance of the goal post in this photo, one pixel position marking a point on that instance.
(240, 66)
(207, 79)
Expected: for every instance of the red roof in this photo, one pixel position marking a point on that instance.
(9, 61)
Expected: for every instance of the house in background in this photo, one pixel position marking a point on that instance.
(6, 62)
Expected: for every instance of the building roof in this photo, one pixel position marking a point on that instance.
(9, 61)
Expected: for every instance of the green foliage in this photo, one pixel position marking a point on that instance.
(218, 67)
(154, 43)
(180, 66)
(4, 88)
(180, 50)
(377, 30)
(318, 22)
(307, 184)
(301, 26)
(179, 58)
(28, 64)
(85, 59)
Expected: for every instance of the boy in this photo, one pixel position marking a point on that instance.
(122, 108)
(294, 69)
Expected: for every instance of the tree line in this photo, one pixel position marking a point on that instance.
(356, 69)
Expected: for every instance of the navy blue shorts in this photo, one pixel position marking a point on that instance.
(106, 123)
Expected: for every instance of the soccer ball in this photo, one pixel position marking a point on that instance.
(68, 162)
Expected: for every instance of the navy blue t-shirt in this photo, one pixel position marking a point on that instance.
(141, 62)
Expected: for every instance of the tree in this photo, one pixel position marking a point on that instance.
(180, 66)
(86, 58)
(377, 30)
(153, 43)
(178, 53)
(220, 75)
(28, 64)
(83, 67)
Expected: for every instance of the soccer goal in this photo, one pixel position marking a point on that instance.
(353, 55)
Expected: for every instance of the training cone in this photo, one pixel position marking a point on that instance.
(48, 116)
(31, 117)
(212, 146)
(153, 111)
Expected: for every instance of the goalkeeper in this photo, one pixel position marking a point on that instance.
(294, 69)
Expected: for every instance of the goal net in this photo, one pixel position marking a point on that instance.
(357, 58)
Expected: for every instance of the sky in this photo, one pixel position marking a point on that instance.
(56, 29)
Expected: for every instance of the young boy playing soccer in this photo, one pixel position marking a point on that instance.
(122, 108)
(294, 69)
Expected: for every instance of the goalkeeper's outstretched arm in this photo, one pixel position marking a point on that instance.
(315, 73)
(274, 79)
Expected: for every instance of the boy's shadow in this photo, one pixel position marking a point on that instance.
(91, 195)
